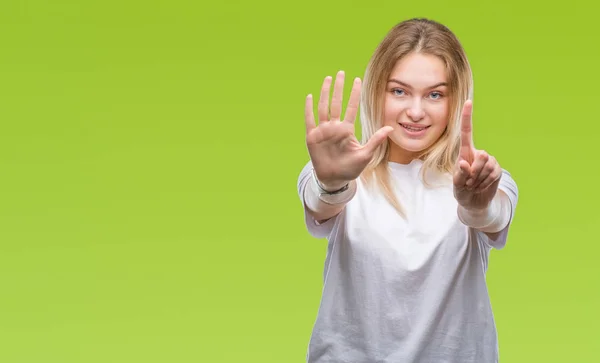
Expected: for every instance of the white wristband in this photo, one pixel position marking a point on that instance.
(315, 195)
(491, 220)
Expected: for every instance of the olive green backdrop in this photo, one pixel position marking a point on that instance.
(149, 152)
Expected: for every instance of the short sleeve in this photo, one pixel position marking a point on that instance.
(316, 229)
(509, 187)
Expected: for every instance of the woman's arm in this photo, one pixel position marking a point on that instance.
(324, 202)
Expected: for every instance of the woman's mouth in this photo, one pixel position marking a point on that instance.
(414, 130)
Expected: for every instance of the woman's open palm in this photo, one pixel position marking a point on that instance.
(336, 154)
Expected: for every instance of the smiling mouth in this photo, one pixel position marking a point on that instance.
(414, 128)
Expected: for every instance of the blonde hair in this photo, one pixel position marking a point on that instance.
(414, 36)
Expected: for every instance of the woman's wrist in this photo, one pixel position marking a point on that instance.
(491, 219)
(330, 186)
(331, 194)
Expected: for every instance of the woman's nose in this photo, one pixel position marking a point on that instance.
(415, 111)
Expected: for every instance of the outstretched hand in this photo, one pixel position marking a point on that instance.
(477, 174)
(337, 156)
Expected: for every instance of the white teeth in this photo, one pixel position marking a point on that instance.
(413, 128)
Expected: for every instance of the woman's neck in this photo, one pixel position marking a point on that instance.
(400, 156)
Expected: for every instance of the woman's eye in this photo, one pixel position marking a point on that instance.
(436, 95)
(398, 92)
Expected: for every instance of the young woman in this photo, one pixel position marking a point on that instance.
(411, 213)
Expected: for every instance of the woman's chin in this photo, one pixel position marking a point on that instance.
(410, 145)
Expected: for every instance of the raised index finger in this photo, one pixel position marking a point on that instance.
(352, 108)
(466, 127)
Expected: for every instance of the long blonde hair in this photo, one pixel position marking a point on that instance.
(426, 37)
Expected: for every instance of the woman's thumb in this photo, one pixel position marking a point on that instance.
(377, 139)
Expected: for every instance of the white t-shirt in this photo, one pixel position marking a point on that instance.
(404, 291)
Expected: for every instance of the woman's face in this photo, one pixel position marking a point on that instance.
(416, 105)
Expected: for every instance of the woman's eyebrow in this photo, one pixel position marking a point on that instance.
(408, 86)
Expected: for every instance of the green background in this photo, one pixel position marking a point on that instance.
(149, 153)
